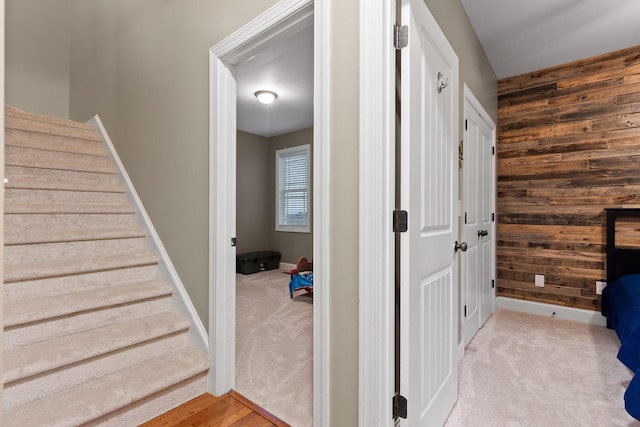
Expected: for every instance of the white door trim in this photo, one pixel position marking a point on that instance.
(377, 196)
(282, 19)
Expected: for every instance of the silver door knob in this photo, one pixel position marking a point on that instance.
(460, 246)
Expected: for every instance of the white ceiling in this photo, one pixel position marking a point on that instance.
(286, 68)
(520, 36)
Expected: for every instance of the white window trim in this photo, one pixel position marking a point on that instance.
(293, 228)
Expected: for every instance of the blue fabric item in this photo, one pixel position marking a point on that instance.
(300, 281)
(621, 307)
(632, 397)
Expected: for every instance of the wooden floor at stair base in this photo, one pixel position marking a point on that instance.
(231, 409)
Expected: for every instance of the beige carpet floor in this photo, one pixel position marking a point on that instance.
(274, 346)
(526, 370)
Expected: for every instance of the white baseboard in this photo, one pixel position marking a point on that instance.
(549, 310)
(287, 267)
(460, 351)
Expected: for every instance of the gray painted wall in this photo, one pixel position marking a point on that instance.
(254, 185)
(143, 66)
(344, 213)
(475, 69)
(255, 226)
(37, 56)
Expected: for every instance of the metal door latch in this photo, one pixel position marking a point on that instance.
(460, 246)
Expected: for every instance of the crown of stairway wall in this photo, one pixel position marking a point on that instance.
(90, 331)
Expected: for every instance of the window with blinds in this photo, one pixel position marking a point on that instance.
(292, 189)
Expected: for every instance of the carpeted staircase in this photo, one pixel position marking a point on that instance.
(91, 334)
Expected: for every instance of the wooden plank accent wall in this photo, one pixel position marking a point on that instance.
(568, 146)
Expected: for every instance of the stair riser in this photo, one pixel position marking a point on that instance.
(19, 222)
(18, 156)
(19, 138)
(29, 196)
(13, 112)
(60, 327)
(61, 179)
(37, 359)
(44, 252)
(69, 235)
(62, 285)
(116, 393)
(67, 209)
(155, 405)
(38, 310)
(52, 128)
(21, 392)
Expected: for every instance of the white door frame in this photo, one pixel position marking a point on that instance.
(276, 23)
(377, 201)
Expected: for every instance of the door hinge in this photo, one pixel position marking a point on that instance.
(466, 124)
(465, 311)
(493, 217)
(465, 217)
(493, 151)
(400, 221)
(400, 36)
(399, 406)
(493, 284)
(234, 242)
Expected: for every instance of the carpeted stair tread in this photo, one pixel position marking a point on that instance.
(107, 394)
(50, 128)
(55, 179)
(24, 362)
(26, 139)
(11, 111)
(57, 197)
(46, 159)
(58, 268)
(66, 208)
(62, 185)
(39, 309)
(27, 221)
(70, 235)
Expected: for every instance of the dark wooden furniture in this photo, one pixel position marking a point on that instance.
(621, 260)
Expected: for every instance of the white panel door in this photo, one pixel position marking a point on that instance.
(486, 196)
(429, 192)
(477, 230)
(471, 202)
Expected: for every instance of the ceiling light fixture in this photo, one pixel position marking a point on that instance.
(266, 96)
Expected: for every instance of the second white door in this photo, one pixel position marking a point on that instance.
(477, 220)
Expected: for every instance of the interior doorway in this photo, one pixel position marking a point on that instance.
(274, 188)
(285, 18)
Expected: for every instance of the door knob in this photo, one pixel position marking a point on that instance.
(482, 233)
(461, 246)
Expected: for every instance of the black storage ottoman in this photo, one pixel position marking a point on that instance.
(253, 262)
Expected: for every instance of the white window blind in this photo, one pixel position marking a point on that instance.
(292, 189)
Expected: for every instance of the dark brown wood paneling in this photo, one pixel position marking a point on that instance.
(568, 146)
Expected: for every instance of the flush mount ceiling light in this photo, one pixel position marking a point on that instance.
(266, 96)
